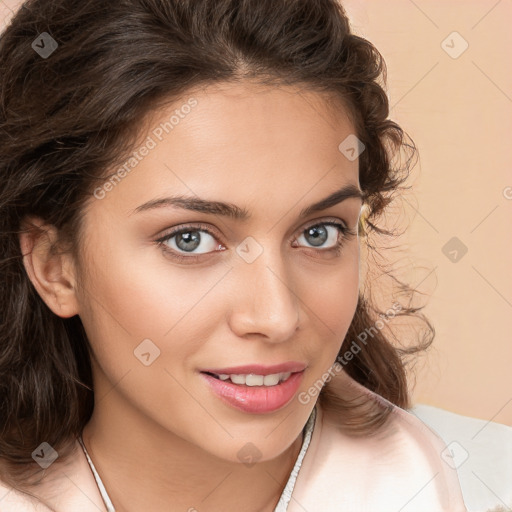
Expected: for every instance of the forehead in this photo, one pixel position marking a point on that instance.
(225, 112)
(240, 141)
(249, 119)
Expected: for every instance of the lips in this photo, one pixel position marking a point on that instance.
(255, 399)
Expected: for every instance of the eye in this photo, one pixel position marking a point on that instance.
(318, 234)
(182, 244)
(187, 239)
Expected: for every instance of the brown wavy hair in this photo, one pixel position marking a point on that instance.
(69, 117)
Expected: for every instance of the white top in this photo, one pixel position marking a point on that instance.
(286, 495)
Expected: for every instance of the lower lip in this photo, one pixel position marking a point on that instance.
(256, 399)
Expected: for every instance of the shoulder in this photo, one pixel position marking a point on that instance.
(400, 466)
(66, 487)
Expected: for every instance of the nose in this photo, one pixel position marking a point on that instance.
(264, 303)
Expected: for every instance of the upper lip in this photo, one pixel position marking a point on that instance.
(259, 369)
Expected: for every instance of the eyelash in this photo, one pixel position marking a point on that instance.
(346, 232)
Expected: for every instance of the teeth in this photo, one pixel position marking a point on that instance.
(256, 380)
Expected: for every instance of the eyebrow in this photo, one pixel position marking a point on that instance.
(197, 204)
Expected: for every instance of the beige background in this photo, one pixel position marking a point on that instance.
(457, 106)
(459, 113)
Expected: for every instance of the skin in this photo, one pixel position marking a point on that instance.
(158, 435)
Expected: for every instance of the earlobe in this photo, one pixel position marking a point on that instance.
(49, 270)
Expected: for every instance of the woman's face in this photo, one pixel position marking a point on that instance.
(261, 290)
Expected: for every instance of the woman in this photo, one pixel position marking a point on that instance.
(183, 326)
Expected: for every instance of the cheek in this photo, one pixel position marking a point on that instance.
(138, 304)
(329, 301)
(135, 294)
(330, 294)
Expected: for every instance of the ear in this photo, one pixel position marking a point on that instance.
(51, 273)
